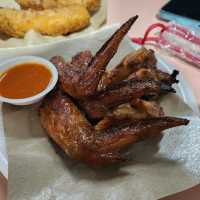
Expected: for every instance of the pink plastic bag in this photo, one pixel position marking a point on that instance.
(181, 41)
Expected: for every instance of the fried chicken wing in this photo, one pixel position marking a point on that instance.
(68, 127)
(53, 22)
(91, 5)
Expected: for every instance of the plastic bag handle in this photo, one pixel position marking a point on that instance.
(146, 37)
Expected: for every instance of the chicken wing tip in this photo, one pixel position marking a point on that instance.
(167, 88)
(131, 20)
(134, 17)
(179, 121)
(174, 75)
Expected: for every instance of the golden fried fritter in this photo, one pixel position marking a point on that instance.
(91, 5)
(53, 22)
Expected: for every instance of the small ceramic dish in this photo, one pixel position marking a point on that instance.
(10, 63)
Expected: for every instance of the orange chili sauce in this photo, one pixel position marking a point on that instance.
(24, 80)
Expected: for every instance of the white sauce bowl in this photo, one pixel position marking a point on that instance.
(10, 63)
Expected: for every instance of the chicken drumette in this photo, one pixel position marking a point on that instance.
(83, 114)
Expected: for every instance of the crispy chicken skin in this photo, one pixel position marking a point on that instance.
(93, 125)
(91, 5)
(68, 127)
(53, 22)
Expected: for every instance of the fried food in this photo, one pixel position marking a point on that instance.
(53, 22)
(93, 125)
(91, 5)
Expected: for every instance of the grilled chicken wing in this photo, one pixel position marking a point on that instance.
(81, 83)
(98, 105)
(155, 74)
(68, 113)
(136, 109)
(130, 64)
(140, 64)
(151, 108)
(68, 127)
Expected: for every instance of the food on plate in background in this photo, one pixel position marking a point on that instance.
(91, 5)
(58, 21)
(49, 17)
(80, 114)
